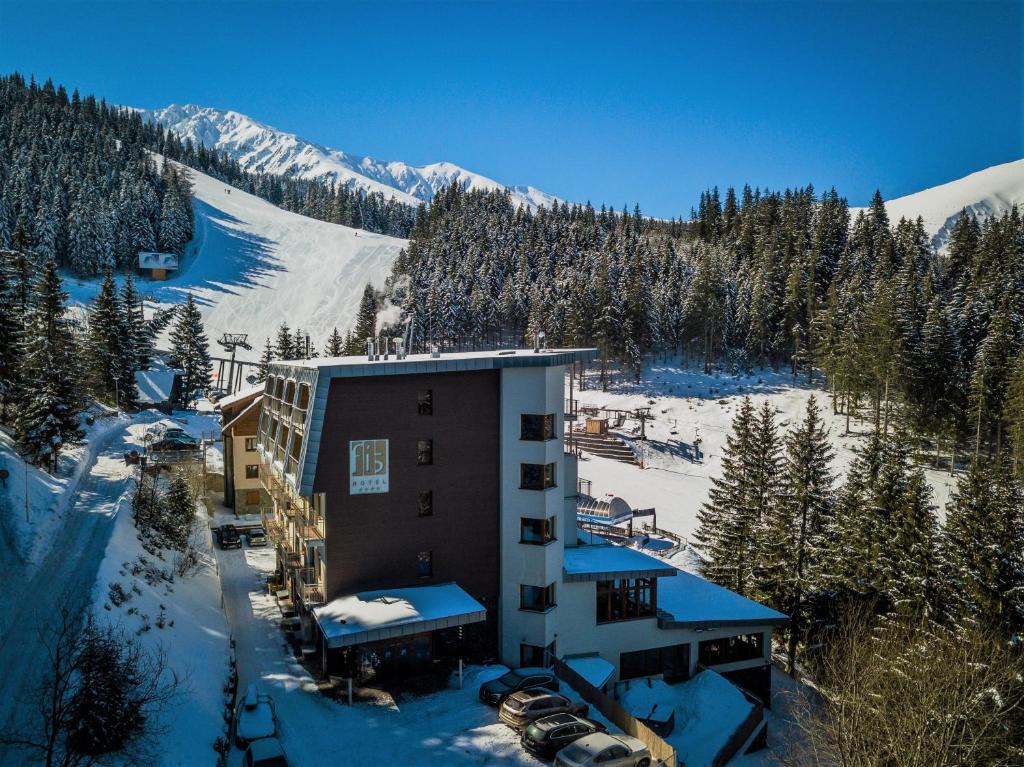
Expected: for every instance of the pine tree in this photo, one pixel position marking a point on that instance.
(983, 541)
(140, 337)
(335, 345)
(727, 522)
(263, 368)
(795, 531)
(190, 351)
(48, 411)
(11, 321)
(110, 361)
(285, 349)
(366, 319)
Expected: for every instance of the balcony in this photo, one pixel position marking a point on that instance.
(310, 589)
(292, 560)
(312, 534)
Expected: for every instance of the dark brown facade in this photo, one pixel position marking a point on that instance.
(374, 541)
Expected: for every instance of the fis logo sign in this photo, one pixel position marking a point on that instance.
(367, 466)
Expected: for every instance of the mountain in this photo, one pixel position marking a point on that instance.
(261, 148)
(252, 265)
(989, 192)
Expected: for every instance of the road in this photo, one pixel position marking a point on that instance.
(33, 594)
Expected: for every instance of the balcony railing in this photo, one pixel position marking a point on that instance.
(310, 589)
(312, 533)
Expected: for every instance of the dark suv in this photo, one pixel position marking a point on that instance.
(229, 537)
(495, 691)
(548, 736)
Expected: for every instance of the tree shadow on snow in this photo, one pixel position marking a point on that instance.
(222, 258)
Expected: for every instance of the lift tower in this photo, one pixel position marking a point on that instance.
(231, 342)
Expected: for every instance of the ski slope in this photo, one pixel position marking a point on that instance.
(252, 266)
(989, 192)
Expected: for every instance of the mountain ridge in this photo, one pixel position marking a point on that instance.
(259, 147)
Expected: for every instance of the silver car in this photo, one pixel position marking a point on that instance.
(604, 750)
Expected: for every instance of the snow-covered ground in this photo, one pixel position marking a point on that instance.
(252, 266)
(686, 405)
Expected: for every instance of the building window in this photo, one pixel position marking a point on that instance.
(536, 531)
(536, 476)
(625, 599)
(425, 402)
(672, 662)
(250, 444)
(252, 497)
(535, 656)
(425, 564)
(537, 428)
(715, 652)
(426, 505)
(537, 598)
(252, 471)
(425, 452)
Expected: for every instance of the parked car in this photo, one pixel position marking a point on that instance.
(229, 537)
(605, 750)
(255, 717)
(550, 734)
(180, 435)
(265, 752)
(521, 708)
(256, 537)
(172, 446)
(495, 691)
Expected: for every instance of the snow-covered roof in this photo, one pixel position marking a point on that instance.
(593, 668)
(150, 260)
(239, 396)
(372, 615)
(446, 362)
(695, 602)
(607, 561)
(156, 385)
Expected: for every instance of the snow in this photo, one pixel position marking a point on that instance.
(239, 396)
(156, 384)
(989, 192)
(252, 266)
(261, 148)
(593, 668)
(691, 599)
(609, 558)
(194, 636)
(689, 404)
(351, 619)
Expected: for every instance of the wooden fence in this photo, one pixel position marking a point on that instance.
(615, 713)
(754, 720)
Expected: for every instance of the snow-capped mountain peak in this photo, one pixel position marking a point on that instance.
(261, 148)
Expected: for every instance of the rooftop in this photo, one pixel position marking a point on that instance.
(607, 561)
(593, 668)
(446, 362)
(372, 615)
(150, 260)
(694, 602)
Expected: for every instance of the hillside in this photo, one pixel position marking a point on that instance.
(264, 149)
(252, 266)
(989, 192)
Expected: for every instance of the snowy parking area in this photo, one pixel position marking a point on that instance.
(451, 727)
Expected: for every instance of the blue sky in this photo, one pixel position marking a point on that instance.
(615, 103)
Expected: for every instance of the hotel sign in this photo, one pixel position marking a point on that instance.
(367, 466)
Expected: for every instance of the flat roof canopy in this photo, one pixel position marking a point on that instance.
(370, 616)
(592, 668)
(694, 602)
(606, 561)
